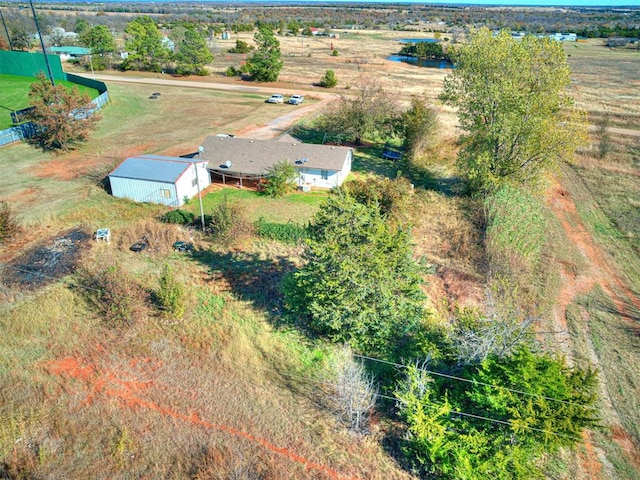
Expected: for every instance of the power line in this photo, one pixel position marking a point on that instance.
(365, 357)
(475, 382)
(460, 413)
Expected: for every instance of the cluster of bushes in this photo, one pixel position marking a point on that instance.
(123, 301)
(290, 233)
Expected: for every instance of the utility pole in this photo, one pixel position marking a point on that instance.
(44, 51)
(6, 30)
(200, 151)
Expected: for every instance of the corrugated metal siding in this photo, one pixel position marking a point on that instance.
(145, 191)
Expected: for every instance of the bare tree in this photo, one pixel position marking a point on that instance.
(355, 392)
(371, 111)
(497, 331)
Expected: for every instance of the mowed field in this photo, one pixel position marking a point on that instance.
(14, 95)
(226, 393)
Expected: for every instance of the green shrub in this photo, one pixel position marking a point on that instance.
(232, 72)
(171, 295)
(280, 179)
(178, 216)
(329, 80)
(290, 233)
(9, 226)
(227, 222)
(241, 47)
(335, 52)
(116, 294)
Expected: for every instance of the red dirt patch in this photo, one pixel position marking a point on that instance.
(110, 385)
(66, 167)
(626, 443)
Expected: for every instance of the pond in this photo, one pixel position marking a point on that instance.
(418, 40)
(421, 62)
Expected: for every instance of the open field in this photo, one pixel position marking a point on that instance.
(224, 393)
(14, 95)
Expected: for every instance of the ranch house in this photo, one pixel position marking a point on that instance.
(244, 161)
(169, 181)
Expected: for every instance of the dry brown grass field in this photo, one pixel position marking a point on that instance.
(223, 393)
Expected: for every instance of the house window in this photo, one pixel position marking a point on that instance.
(324, 174)
(165, 193)
(194, 182)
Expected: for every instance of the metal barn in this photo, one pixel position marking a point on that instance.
(169, 181)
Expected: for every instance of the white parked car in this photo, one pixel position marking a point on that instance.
(296, 99)
(275, 98)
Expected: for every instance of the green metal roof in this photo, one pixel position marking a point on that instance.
(70, 50)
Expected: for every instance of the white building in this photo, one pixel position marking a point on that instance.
(169, 181)
(245, 161)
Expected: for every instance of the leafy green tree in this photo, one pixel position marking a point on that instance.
(192, 53)
(81, 26)
(419, 125)
(266, 63)
(99, 39)
(144, 43)
(360, 283)
(450, 440)
(62, 118)
(513, 106)
(280, 179)
(329, 80)
(20, 37)
(371, 111)
(102, 44)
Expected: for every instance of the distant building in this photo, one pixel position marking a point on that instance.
(169, 181)
(67, 53)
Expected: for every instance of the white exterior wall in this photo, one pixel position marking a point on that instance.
(313, 177)
(145, 191)
(186, 185)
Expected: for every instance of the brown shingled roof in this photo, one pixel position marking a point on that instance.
(255, 157)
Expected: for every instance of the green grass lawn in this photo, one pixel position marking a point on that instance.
(14, 95)
(295, 207)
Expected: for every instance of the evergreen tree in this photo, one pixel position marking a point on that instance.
(266, 63)
(192, 53)
(360, 283)
(144, 43)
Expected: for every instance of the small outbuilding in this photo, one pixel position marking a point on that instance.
(169, 181)
(245, 161)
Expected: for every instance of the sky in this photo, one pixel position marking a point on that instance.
(582, 3)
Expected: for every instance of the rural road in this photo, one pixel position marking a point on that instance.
(274, 128)
(280, 121)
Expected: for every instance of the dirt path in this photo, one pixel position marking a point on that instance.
(598, 270)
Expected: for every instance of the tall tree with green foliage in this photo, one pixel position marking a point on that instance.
(99, 39)
(145, 47)
(513, 106)
(62, 118)
(192, 52)
(265, 64)
(360, 283)
(477, 431)
(419, 127)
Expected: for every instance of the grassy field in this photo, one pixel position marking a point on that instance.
(226, 393)
(14, 95)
